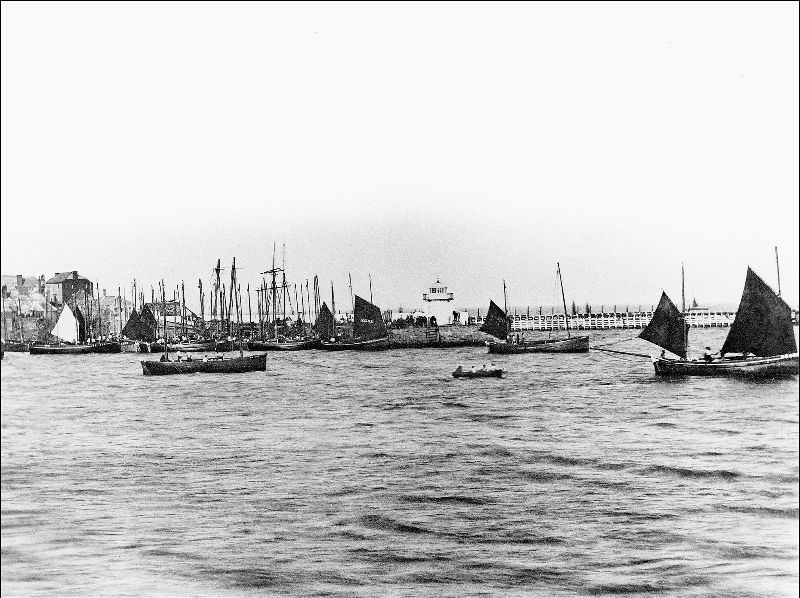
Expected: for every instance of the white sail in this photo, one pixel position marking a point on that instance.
(67, 326)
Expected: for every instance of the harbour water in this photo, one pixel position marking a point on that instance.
(350, 474)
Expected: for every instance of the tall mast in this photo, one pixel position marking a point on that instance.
(683, 310)
(249, 306)
(164, 310)
(238, 312)
(134, 294)
(19, 313)
(333, 309)
(563, 299)
(352, 300)
(370, 288)
(99, 312)
(778, 266)
(202, 303)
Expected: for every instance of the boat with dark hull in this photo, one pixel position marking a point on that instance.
(574, 344)
(369, 330)
(481, 373)
(16, 346)
(287, 345)
(498, 324)
(231, 365)
(760, 343)
(68, 330)
(209, 365)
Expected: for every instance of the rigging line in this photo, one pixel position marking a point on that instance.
(308, 363)
(624, 340)
(620, 352)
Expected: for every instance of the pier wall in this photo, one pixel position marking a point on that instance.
(613, 320)
(443, 336)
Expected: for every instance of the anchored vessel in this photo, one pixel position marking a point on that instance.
(760, 342)
(497, 324)
(67, 329)
(213, 365)
(369, 330)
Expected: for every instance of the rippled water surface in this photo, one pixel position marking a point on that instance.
(379, 474)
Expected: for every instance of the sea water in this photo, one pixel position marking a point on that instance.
(372, 474)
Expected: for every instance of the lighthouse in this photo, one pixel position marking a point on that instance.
(438, 303)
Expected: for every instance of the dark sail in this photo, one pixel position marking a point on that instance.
(324, 325)
(495, 322)
(81, 325)
(367, 321)
(147, 327)
(763, 323)
(129, 330)
(667, 328)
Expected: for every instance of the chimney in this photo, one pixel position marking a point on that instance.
(20, 281)
(74, 275)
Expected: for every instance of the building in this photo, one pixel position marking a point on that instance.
(439, 305)
(64, 285)
(22, 286)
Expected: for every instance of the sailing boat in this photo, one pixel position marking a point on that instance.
(497, 324)
(280, 342)
(70, 330)
(369, 330)
(209, 365)
(760, 342)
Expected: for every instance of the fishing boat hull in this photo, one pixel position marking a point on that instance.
(750, 367)
(234, 365)
(284, 346)
(576, 344)
(75, 349)
(15, 347)
(478, 374)
(377, 344)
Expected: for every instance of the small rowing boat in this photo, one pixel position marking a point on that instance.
(460, 372)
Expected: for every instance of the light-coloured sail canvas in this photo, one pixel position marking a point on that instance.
(67, 326)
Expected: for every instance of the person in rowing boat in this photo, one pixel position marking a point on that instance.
(707, 357)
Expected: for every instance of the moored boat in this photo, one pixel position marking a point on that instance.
(67, 349)
(230, 365)
(760, 342)
(497, 323)
(286, 345)
(369, 330)
(574, 344)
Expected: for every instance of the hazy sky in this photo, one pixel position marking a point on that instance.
(471, 141)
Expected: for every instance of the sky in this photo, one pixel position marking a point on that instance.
(476, 142)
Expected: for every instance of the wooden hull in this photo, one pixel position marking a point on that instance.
(377, 344)
(478, 374)
(75, 349)
(283, 346)
(15, 347)
(751, 367)
(233, 365)
(576, 344)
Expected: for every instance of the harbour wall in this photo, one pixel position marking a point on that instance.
(613, 320)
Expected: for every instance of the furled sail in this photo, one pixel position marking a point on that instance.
(763, 323)
(66, 327)
(667, 328)
(495, 322)
(147, 327)
(324, 325)
(367, 321)
(129, 331)
(81, 325)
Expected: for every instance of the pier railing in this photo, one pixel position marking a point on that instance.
(612, 321)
